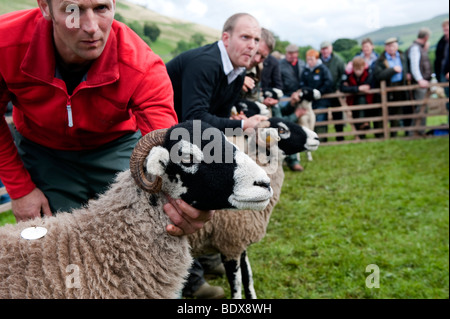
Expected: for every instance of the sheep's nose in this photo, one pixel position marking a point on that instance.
(262, 184)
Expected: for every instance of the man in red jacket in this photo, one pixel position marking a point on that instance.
(84, 89)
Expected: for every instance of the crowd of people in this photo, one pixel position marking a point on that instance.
(83, 96)
(328, 73)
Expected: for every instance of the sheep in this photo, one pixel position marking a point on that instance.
(307, 96)
(117, 245)
(230, 233)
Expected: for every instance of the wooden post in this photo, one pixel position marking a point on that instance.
(349, 115)
(385, 110)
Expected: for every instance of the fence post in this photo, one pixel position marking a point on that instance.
(385, 109)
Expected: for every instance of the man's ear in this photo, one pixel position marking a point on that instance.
(45, 9)
(226, 39)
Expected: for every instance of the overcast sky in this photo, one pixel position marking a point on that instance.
(305, 22)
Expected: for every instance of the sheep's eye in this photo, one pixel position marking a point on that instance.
(187, 159)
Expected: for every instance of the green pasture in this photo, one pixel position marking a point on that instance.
(381, 203)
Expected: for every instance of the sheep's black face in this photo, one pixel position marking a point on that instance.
(201, 167)
(294, 138)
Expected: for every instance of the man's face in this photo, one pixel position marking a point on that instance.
(326, 52)
(367, 48)
(262, 53)
(80, 27)
(243, 43)
(291, 56)
(391, 48)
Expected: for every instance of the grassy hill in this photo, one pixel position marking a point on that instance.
(407, 33)
(172, 30)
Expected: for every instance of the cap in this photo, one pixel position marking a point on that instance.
(391, 40)
(291, 48)
(325, 44)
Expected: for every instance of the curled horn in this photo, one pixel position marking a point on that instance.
(138, 157)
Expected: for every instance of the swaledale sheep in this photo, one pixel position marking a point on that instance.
(117, 246)
(230, 233)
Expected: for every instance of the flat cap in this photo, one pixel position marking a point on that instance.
(291, 48)
(391, 40)
(325, 44)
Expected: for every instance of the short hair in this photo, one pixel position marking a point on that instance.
(366, 40)
(312, 53)
(445, 23)
(230, 24)
(424, 33)
(268, 37)
(358, 62)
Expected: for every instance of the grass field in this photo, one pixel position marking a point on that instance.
(383, 203)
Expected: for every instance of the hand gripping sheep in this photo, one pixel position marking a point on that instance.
(117, 246)
(230, 233)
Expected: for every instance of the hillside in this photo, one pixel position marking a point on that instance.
(172, 30)
(407, 33)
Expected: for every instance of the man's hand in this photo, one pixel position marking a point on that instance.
(398, 69)
(364, 88)
(270, 101)
(249, 84)
(185, 218)
(31, 206)
(251, 122)
(423, 84)
(295, 98)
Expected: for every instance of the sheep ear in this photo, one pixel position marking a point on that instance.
(157, 161)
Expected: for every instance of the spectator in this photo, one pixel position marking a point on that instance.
(392, 67)
(80, 95)
(359, 80)
(441, 64)
(421, 70)
(271, 73)
(317, 76)
(291, 70)
(256, 75)
(337, 68)
(207, 83)
(367, 53)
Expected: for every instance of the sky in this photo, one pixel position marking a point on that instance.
(305, 22)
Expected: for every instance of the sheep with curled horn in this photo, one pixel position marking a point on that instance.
(231, 233)
(117, 246)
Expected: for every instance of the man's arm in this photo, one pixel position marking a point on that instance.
(28, 202)
(153, 108)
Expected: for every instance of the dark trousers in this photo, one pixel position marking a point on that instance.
(70, 178)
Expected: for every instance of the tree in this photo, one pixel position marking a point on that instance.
(152, 31)
(344, 44)
(198, 39)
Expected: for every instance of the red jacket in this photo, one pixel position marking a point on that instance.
(127, 88)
